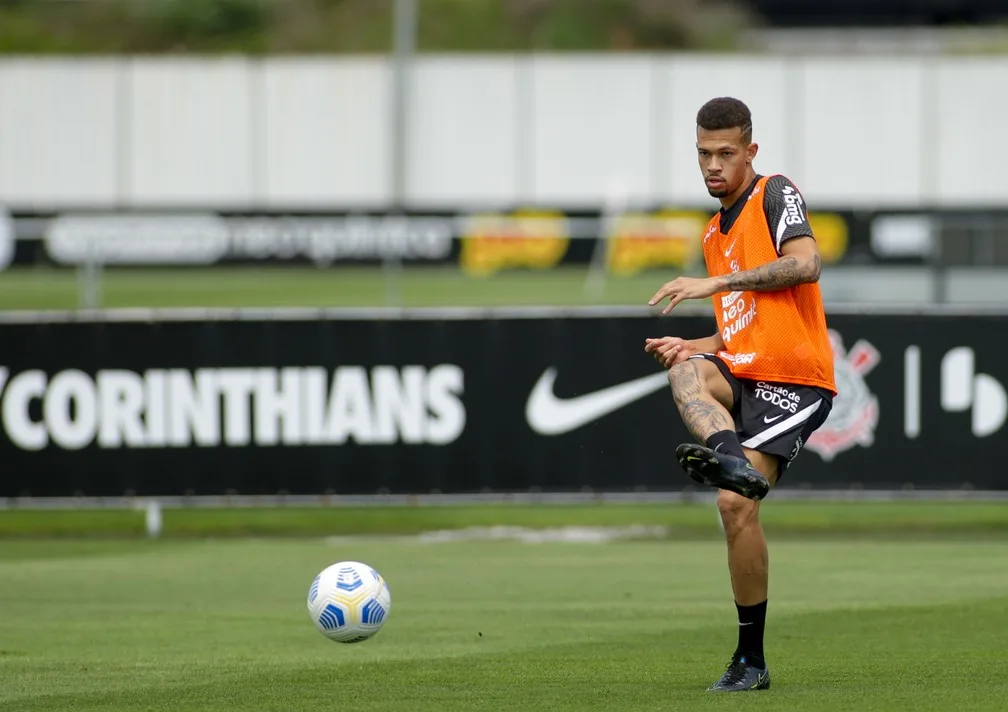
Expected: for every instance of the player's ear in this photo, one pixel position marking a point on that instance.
(751, 152)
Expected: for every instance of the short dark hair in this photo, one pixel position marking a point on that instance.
(725, 112)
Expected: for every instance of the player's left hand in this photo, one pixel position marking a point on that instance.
(682, 288)
(669, 350)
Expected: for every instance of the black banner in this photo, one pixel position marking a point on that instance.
(857, 14)
(479, 242)
(457, 404)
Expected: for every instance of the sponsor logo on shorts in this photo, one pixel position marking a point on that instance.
(855, 412)
(786, 400)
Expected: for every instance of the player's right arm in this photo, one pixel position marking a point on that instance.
(707, 345)
(670, 350)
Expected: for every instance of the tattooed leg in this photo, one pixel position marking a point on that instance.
(702, 413)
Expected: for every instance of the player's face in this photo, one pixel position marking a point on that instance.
(724, 159)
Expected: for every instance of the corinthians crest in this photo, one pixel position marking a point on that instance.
(855, 409)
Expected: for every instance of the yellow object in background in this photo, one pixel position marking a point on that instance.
(831, 233)
(640, 241)
(491, 242)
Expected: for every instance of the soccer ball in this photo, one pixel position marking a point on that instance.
(348, 602)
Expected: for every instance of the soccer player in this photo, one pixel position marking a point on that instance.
(755, 391)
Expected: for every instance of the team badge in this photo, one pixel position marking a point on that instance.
(855, 412)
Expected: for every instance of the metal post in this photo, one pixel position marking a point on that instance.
(89, 279)
(404, 47)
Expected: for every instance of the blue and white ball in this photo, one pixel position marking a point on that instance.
(349, 602)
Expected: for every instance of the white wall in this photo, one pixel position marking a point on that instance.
(61, 131)
(572, 130)
(463, 135)
(320, 133)
(190, 132)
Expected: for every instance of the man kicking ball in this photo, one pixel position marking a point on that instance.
(754, 392)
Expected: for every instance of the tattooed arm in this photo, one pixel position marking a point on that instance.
(799, 263)
(798, 259)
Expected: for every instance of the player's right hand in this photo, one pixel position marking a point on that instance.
(668, 350)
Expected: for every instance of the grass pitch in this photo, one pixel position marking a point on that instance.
(209, 625)
(866, 519)
(279, 286)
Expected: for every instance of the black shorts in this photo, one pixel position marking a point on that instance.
(775, 418)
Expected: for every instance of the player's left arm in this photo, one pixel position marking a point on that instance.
(799, 263)
(798, 260)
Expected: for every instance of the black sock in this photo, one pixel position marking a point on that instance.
(726, 441)
(752, 620)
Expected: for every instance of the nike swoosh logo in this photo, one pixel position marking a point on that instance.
(548, 415)
(729, 250)
(768, 419)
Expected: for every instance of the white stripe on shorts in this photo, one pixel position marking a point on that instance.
(782, 427)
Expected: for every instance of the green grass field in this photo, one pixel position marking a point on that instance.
(44, 288)
(204, 623)
(680, 520)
